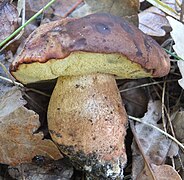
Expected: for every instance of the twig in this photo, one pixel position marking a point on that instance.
(37, 91)
(13, 40)
(182, 11)
(23, 12)
(147, 84)
(73, 8)
(141, 150)
(172, 132)
(163, 105)
(7, 73)
(21, 85)
(34, 102)
(10, 81)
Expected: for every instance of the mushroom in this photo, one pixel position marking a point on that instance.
(85, 115)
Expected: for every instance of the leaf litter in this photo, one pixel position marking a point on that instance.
(153, 146)
(19, 141)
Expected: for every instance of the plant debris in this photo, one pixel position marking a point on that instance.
(19, 140)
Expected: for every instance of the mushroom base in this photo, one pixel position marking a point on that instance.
(87, 120)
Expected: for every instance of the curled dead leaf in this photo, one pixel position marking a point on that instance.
(152, 22)
(18, 141)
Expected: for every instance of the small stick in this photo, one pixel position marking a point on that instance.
(163, 112)
(147, 84)
(182, 11)
(10, 81)
(7, 73)
(73, 8)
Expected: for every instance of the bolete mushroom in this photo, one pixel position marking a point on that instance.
(85, 115)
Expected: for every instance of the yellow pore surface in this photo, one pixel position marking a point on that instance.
(80, 63)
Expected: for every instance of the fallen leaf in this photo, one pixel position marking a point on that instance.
(13, 95)
(146, 174)
(8, 19)
(154, 145)
(152, 22)
(161, 172)
(18, 141)
(115, 7)
(177, 35)
(60, 8)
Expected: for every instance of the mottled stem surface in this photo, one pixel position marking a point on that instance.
(86, 118)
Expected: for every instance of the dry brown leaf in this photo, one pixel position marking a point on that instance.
(60, 8)
(152, 21)
(146, 174)
(165, 172)
(160, 172)
(8, 19)
(6, 105)
(154, 145)
(115, 7)
(18, 141)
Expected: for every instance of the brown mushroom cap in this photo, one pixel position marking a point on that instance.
(96, 43)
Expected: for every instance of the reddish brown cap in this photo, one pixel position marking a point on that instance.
(96, 33)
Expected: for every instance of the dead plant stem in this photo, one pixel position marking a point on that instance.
(163, 105)
(147, 84)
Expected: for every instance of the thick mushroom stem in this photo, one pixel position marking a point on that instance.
(86, 118)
